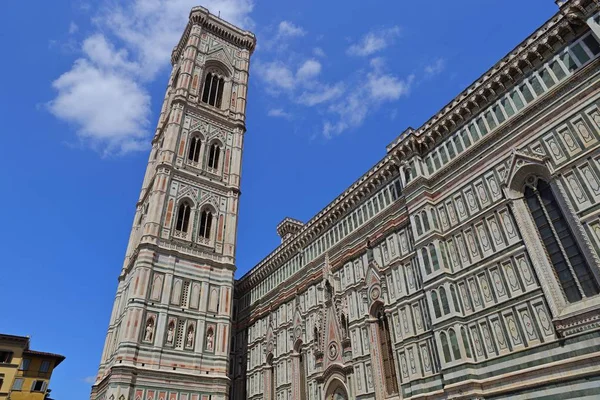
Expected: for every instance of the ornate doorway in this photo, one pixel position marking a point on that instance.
(336, 391)
(339, 394)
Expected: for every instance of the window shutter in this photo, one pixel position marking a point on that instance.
(18, 385)
(44, 386)
(32, 386)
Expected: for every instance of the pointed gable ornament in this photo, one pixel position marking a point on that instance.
(298, 322)
(374, 289)
(270, 340)
(521, 165)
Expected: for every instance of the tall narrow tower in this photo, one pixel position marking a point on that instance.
(168, 337)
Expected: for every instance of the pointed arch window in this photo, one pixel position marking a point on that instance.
(194, 150)
(406, 175)
(434, 257)
(454, 344)
(418, 225)
(465, 340)
(302, 370)
(213, 156)
(436, 304)
(434, 218)
(387, 354)
(213, 89)
(183, 217)
(455, 302)
(271, 384)
(425, 221)
(426, 260)
(564, 252)
(445, 347)
(444, 300)
(205, 224)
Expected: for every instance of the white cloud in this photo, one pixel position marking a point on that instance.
(109, 110)
(309, 69)
(374, 41)
(152, 28)
(103, 95)
(90, 380)
(377, 88)
(322, 94)
(276, 75)
(288, 29)
(103, 54)
(279, 113)
(435, 68)
(73, 28)
(387, 87)
(317, 51)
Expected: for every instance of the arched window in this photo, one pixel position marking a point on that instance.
(436, 304)
(434, 257)
(454, 299)
(568, 262)
(445, 347)
(444, 253)
(387, 354)
(444, 300)
(213, 156)
(434, 218)
(194, 150)
(183, 217)
(425, 221)
(213, 89)
(454, 344)
(205, 224)
(426, 260)
(465, 340)
(271, 377)
(302, 371)
(418, 225)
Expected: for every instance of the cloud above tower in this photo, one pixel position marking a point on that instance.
(104, 95)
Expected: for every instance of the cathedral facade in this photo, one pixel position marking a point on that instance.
(465, 264)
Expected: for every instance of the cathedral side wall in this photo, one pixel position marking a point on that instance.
(456, 260)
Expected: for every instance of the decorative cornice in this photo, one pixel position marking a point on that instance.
(359, 190)
(215, 25)
(497, 79)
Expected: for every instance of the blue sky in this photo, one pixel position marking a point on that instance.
(332, 83)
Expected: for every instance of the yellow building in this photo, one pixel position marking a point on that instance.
(24, 373)
(11, 354)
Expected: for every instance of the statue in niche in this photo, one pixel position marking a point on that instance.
(209, 340)
(170, 333)
(316, 335)
(190, 337)
(370, 257)
(328, 290)
(149, 330)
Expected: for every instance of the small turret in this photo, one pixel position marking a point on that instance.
(288, 228)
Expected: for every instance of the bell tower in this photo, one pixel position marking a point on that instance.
(169, 331)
